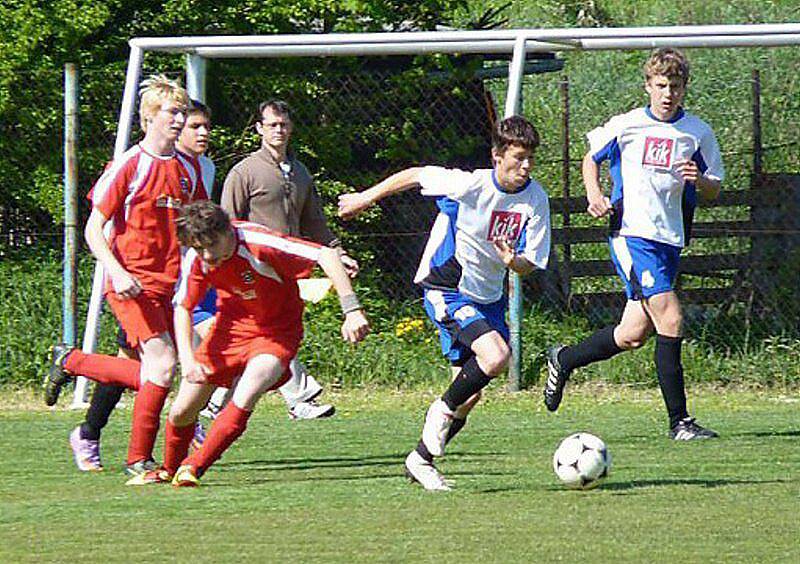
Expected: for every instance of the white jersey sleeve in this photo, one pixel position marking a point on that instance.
(451, 182)
(207, 170)
(710, 156)
(535, 242)
(600, 137)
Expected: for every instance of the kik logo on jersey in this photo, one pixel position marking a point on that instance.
(504, 225)
(658, 152)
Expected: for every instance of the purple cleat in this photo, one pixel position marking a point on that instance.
(86, 452)
(199, 436)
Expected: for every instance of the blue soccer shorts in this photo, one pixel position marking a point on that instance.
(646, 267)
(461, 321)
(205, 309)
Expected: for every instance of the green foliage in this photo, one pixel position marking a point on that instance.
(402, 352)
(37, 38)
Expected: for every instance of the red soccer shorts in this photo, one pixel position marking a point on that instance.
(143, 317)
(228, 347)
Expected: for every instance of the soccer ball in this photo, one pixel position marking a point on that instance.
(581, 461)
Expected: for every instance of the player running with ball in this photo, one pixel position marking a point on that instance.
(490, 220)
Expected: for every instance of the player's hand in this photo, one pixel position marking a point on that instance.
(688, 170)
(355, 326)
(504, 249)
(599, 205)
(350, 265)
(195, 373)
(125, 285)
(350, 205)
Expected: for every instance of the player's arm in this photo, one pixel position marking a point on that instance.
(708, 188)
(125, 285)
(350, 205)
(599, 203)
(355, 326)
(513, 261)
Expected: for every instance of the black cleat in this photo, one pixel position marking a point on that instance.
(688, 430)
(556, 379)
(56, 375)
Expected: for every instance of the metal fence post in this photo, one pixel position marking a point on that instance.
(513, 107)
(70, 296)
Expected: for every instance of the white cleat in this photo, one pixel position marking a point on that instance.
(437, 424)
(425, 473)
(310, 410)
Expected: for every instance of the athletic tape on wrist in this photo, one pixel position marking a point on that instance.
(349, 303)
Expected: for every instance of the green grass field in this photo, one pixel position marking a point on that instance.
(333, 490)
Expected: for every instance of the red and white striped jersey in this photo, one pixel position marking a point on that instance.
(141, 195)
(257, 285)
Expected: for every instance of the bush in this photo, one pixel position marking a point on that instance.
(402, 351)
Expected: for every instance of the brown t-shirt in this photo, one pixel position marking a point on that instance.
(277, 196)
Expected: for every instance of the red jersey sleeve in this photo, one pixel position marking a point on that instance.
(192, 284)
(292, 258)
(109, 192)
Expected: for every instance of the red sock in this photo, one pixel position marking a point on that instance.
(176, 445)
(104, 369)
(146, 418)
(226, 428)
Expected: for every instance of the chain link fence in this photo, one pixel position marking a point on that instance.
(358, 120)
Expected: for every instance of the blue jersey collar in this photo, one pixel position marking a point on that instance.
(678, 115)
(499, 187)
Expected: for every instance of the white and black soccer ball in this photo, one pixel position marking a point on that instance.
(581, 461)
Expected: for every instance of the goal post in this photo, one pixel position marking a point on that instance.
(516, 43)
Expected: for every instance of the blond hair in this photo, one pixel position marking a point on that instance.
(667, 62)
(154, 91)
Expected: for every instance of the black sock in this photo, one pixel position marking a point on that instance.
(456, 426)
(104, 400)
(670, 377)
(598, 346)
(469, 382)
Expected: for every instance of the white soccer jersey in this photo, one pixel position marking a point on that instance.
(474, 210)
(650, 198)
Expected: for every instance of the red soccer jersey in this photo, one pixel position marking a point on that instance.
(257, 285)
(140, 194)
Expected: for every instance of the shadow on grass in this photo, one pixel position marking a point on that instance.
(344, 461)
(626, 487)
(275, 470)
(794, 433)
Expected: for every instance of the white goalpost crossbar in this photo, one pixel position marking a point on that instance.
(518, 43)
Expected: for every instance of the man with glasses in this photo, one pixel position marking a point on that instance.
(272, 188)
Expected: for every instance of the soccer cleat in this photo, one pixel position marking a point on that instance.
(556, 379)
(437, 423)
(210, 411)
(199, 436)
(86, 452)
(157, 476)
(425, 473)
(311, 410)
(56, 375)
(140, 467)
(688, 430)
(186, 477)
